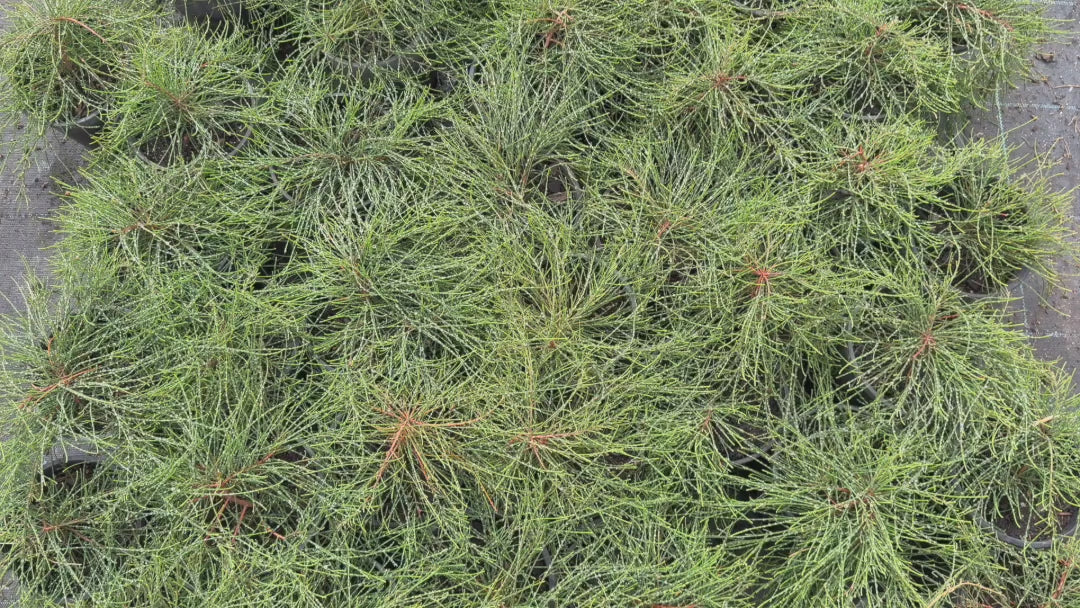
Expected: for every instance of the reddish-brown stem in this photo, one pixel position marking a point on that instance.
(226, 481)
(706, 425)
(928, 339)
(243, 514)
(864, 164)
(928, 343)
(559, 22)
(217, 519)
(665, 226)
(722, 80)
(177, 101)
(764, 277)
(985, 14)
(82, 25)
(719, 81)
(44, 392)
(490, 501)
(536, 441)
(407, 425)
(1060, 590)
(245, 506)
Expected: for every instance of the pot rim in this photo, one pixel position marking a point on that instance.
(1023, 543)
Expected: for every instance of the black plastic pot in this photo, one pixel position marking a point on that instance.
(251, 99)
(973, 290)
(1067, 531)
(82, 131)
(558, 182)
(209, 11)
(744, 457)
(449, 81)
(755, 448)
(285, 194)
(543, 571)
(63, 459)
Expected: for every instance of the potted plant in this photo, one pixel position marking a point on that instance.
(990, 222)
(267, 499)
(730, 86)
(569, 297)
(62, 61)
(335, 148)
(64, 502)
(1034, 502)
(363, 39)
(151, 222)
(186, 96)
(918, 349)
(838, 498)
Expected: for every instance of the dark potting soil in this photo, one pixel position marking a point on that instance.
(753, 441)
(70, 475)
(681, 272)
(279, 254)
(622, 466)
(163, 150)
(556, 181)
(1032, 524)
(79, 111)
(297, 455)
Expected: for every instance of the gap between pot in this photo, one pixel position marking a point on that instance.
(83, 130)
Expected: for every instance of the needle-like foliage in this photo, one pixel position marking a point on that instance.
(538, 303)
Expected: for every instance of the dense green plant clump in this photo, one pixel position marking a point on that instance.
(533, 303)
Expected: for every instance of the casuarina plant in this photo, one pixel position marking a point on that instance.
(537, 303)
(62, 64)
(186, 96)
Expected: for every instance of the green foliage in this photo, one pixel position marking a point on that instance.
(186, 95)
(527, 303)
(62, 61)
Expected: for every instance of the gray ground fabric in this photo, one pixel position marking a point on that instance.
(1041, 116)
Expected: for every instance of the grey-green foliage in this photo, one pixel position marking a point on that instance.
(527, 303)
(62, 61)
(186, 95)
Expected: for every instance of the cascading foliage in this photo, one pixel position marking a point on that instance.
(648, 303)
